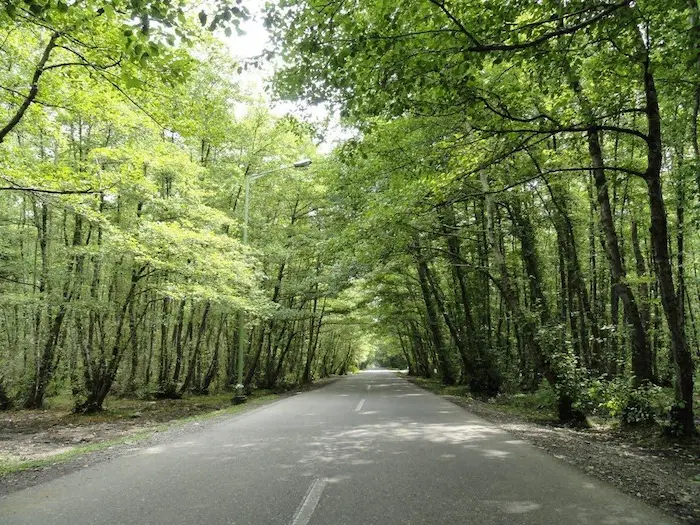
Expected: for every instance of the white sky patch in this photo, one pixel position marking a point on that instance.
(251, 45)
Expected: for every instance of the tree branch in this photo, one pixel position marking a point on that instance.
(33, 91)
(13, 186)
(477, 47)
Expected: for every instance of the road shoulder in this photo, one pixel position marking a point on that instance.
(665, 477)
(120, 439)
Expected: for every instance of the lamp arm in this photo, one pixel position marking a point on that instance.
(254, 176)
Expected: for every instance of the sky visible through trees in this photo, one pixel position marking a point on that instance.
(513, 207)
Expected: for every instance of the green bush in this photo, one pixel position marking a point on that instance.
(571, 378)
(486, 379)
(543, 399)
(618, 399)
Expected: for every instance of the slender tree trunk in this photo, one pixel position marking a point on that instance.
(196, 356)
(641, 355)
(5, 401)
(641, 273)
(48, 360)
(213, 368)
(103, 383)
(283, 355)
(443, 359)
(307, 377)
(467, 368)
(672, 304)
(178, 343)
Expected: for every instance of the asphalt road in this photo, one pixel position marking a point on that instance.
(368, 449)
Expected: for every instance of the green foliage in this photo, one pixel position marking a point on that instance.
(384, 359)
(503, 180)
(469, 191)
(123, 207)
(538, 405)
(620, 400)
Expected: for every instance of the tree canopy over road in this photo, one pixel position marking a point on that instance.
(517, 209)
(527, 175)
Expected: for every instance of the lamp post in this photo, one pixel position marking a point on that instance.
(240, 396)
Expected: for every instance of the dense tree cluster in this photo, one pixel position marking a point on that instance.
(525, 183)
(125, 145)
(516, 211)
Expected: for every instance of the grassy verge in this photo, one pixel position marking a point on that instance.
(116, 409)
(436, 386)
(537, 407)
(10, 466)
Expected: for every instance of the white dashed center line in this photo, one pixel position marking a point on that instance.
(308, 505)
(359, 405)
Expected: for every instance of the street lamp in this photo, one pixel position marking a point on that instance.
(303, 163)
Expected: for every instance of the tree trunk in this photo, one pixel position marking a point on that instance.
(196, 356)
(683, 359)
(214, 364)
(102, 383)
(443, 358)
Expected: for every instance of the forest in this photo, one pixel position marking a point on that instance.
(514, 212)
(123, 166)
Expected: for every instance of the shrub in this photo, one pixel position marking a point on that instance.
(486, 379)
(619, 399)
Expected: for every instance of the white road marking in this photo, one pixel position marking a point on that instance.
(368, 387)
(359, 405)
(308, 505)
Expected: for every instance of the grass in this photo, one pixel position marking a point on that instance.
(537, 407)
(253, 402)
(436, 386)
(116, 409)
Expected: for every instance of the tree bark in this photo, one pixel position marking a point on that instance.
(683, 411)
(443, 359)
(196, 353)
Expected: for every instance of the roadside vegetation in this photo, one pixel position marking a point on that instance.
(38, 439)
(122, 268)
(524, 185)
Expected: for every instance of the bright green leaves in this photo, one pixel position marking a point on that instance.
(146, 28)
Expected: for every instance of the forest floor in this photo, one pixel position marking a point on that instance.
(32, 440)
(642, 463)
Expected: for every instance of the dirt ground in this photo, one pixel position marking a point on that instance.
(41, 434)
(37, 438)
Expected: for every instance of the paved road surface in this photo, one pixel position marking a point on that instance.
(368, 449)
